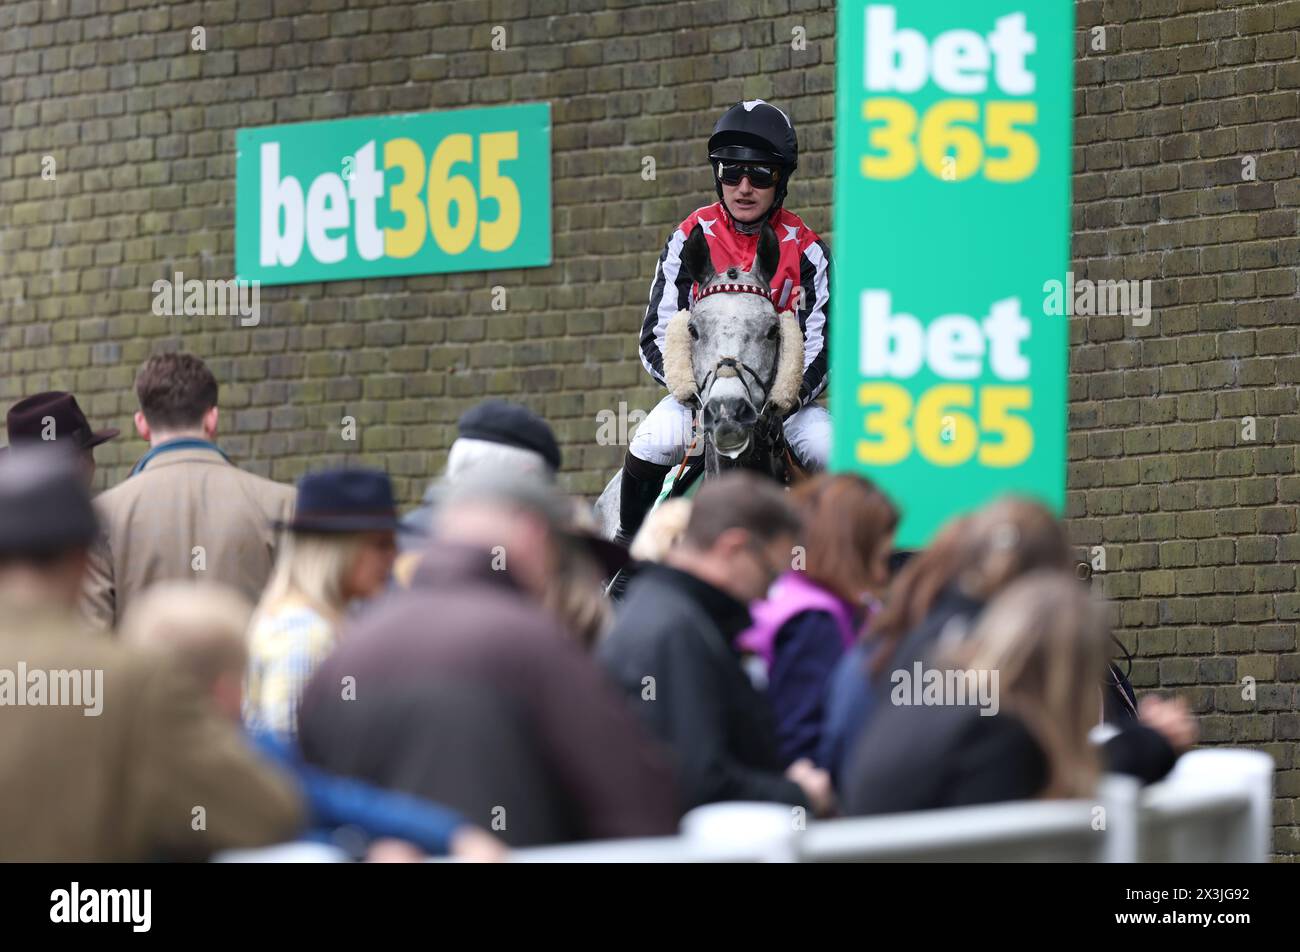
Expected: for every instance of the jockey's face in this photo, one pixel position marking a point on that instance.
(746, 203)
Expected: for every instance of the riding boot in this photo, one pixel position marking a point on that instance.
(641, 485)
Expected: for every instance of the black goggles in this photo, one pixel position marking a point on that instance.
(760, 176)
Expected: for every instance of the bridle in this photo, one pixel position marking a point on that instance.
(735, 363)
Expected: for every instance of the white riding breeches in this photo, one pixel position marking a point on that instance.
(665, 433)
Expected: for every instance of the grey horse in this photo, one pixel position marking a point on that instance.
(735, 360)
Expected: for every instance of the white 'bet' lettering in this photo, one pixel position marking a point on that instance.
(327, 207)
(958, 62)
(365, 188)
(324, 210)
(952, 346)
(280, 247)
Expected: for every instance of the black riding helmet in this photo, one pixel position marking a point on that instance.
(757, 132)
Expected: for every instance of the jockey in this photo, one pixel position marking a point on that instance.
(753, 152)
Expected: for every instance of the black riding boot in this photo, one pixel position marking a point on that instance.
(641, 485)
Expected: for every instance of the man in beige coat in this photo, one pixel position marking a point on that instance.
(106, 754)
(185, 511)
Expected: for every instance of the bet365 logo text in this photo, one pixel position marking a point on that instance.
(464, 190)
(952, 138)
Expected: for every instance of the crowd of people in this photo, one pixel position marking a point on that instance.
(201, 659)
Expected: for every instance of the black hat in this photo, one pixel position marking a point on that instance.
(343, 500)
(26, 421)
(45, 506)
(497, 421)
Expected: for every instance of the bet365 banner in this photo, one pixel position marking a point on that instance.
(464, 190)
(952, 209)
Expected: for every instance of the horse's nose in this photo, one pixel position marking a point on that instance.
(736, 411)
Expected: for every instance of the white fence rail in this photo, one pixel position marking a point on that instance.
(1216, 806)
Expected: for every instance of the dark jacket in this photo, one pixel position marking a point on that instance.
(931, 757)
(465, 693)
(808, 648)
(854, 694)
(854, 691)
(679, 630)
(927, 758)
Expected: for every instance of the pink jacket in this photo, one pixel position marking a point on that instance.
(792, 595)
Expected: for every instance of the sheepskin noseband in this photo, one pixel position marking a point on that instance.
(679, 373)
(789, 364)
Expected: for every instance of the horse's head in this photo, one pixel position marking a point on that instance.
(732, 350)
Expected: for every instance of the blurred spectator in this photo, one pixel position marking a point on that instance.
(574, 593)
(495, 437)
(933, 602)
(131, 764)
(1045, 640)
(339, 548)
(671, 649)
(462, 690)
(933, 606)
(186, 510)
(201, 627)
(661, 531)
(54, 416)
(813, 616)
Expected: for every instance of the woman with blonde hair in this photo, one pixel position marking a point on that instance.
(339, 548)
(573, 591)
(1018, 726)
(934, 600)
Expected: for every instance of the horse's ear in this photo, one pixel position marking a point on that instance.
(696, 257)
(769, 255)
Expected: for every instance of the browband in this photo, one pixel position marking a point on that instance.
(733, 288)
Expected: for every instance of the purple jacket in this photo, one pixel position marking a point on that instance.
(793, 594)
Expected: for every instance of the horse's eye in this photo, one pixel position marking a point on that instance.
(695, 334)
(775, 329)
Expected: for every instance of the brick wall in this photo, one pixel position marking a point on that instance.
(142, 131)
(1198, 526)
(1197, 522)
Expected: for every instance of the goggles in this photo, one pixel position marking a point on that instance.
(760, 176)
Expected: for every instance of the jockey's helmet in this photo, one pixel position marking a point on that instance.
(756, 132)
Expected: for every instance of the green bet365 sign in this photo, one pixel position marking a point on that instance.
(466, 190)
(952, 209)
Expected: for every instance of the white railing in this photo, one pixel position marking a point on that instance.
(1030, 831)
(1216, 806)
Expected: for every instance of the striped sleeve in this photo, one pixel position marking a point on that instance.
(670, 292)
(815, 278)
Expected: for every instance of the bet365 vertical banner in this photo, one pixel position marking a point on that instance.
(952, 208)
